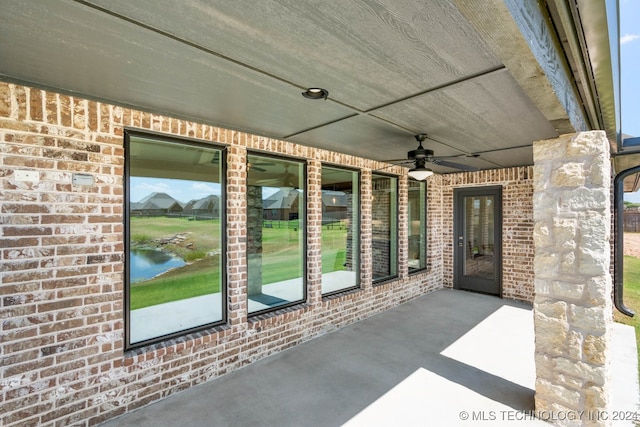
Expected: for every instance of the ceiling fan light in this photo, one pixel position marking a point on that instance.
(420, 173)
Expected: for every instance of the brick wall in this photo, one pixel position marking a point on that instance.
(517, 226)
(61, 275)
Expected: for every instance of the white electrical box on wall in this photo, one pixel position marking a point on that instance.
(82, 179)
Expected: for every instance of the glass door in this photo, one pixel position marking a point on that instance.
(478, 237)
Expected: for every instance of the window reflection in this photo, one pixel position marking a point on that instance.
(417, 225)
(340, 229)
(384, 227)
(275, 232)
(174, 238)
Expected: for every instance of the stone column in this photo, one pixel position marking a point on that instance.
(572, 306)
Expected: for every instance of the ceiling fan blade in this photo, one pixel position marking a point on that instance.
(454, 165)
(396, 160)
(272, 182)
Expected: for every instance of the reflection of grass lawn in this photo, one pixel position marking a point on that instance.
(204, 235)
(199, 278)
(631, 295)
(282, 257)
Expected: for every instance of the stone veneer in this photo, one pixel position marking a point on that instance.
(61, 248)
(572, 308)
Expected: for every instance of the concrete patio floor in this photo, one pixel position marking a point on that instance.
(447, 358)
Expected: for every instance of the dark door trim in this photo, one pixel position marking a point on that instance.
(467, 282)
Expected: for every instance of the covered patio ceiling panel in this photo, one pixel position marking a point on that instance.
(393, 69)
(366, 53)
(488, 112)
(113, 59)
(360, 135)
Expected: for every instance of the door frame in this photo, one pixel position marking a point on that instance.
(458, 230)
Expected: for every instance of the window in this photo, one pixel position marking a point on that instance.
(417, 225)
(384, 227)
(340, 229)
(275, 233)
(174, 237)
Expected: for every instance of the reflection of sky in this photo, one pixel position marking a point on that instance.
(629, 69)
(180, 189)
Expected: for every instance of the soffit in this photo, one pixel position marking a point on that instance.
(393, 69)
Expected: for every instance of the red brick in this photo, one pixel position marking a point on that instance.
(35, 107)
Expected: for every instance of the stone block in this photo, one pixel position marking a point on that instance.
(552, 309)
(584, 199)
(580, 370)
(595, 230)
(596, 398)
(564, 232)
(589, 143)
(549, 149)
(594, 262)
(544, 366)
(543, 288)
(598, 290)
(568, 263)
(559, 394)
(542, 235)
(551, 335)
(545, 207)
(567, 290)
(589, 319)
(569, 175)
(574, 345)
(595, 349)
(545, 263)
(568, 381)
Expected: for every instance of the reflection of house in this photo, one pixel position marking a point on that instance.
(207, 207)
(632, 220)
(334, 205)
(162, 204)
(156, 204)
(282, 205)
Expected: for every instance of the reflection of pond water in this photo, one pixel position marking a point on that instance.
(148, 263)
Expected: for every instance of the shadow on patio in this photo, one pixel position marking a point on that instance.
(435, 360)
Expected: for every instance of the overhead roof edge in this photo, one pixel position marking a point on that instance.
(598, 23)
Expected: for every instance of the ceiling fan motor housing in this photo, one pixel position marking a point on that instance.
(419, 153)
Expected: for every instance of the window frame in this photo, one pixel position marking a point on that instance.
(395, 222)
(356, 244)
(128, 134)
(303, 300)
(424, 227)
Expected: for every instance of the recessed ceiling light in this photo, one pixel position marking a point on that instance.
(315, 93)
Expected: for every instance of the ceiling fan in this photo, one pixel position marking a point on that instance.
(287, 179)
(421, 156)
(256, 166)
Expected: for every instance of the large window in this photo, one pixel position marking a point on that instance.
(275, 232)
(174, 237)
(340, 229)
(384, 227)
(417, 225)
